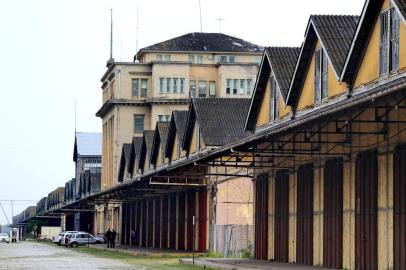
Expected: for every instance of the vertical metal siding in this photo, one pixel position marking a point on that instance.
(304, 227)
(165, 205)
(399, 205)
(261, 218)
(172, 222)
(150, 223)
(191, 211)
(181, 221)
(202, 220)
(366, 222)
(333, 214)
(144, 223)
(281, 231)
(157, 223)
(123, 224)
(138, 222)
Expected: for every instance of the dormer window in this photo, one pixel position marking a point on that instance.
(321, 75)
(389, 42)
(274, 99)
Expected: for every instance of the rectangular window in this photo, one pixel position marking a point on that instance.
(317, 76)
(138, 123)
(223, 59)
(161, 85)
(167, 118)
(384, 43)
(200, 59)
(249, 87)
(182, 85)
(192, 89)
(175, 85)
(144, 89)
(242, 87)
(272, 87)
(202, 88)
(168, 85)
(324, 75)
(191, 58)
(231, 59)
(159, 57)
(235, 86)
(160, 118)
(212, 88)
(394, 41)
(167, 57)
(228, 87)
(135, 87)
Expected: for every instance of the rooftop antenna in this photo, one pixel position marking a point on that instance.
(136, 38)
(111, 60)
(200, 11)
(219, 19)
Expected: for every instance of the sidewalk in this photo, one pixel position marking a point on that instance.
(244, 264)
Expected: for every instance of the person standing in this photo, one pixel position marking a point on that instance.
(133, 235)
(113, 238)
(108, 238)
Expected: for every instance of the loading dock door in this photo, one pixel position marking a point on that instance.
(261, 218)
(399, 204)
(191, 211)
(281, 216)
(304, 244)
(333, 214)
(165, 208)
(366, 195)
(181, 221)
(172, 222)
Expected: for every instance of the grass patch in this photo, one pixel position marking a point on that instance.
(151, 261)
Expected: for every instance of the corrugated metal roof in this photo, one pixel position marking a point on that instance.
(180, 118)
(221, 120)
(283, 61)
(88, 144)
(336, 33)
(202, 42)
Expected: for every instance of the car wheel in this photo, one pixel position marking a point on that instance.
(97, 242)
(59, 243)
(74, 245)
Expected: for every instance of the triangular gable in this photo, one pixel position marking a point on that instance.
(124, 161)
(335, 33)
(369, 17)
(159, 140)
(136, 154)
(176, 128)
(146, 148)
(281, 61)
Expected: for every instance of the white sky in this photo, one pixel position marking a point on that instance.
(54, 52)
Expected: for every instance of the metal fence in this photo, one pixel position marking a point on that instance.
(231, 240)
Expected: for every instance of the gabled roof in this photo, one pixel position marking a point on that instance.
(126, 152)
(220, 120)
(280, 60)
(401, 5)
(146, 147)
(87, 144)
(176, 127)
(136, 152)
(160, 138)
(204, 42)
(335, 33)
(369, 16)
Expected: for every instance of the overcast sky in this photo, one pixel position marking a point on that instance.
(54, 52)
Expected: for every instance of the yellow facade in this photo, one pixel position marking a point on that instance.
(193, 143)
(369, 68)
(263, 116)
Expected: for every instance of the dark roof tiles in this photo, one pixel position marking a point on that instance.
(402, 6)
(336, 33)
(213, 42)
(283, 61)
(221, 120)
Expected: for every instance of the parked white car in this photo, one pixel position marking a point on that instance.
(60, 238)
(83, 238)
(4, 237)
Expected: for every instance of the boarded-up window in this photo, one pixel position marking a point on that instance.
(304, 228)
(333, 214)
(366, 222)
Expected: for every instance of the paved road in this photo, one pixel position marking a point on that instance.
(36, 256)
